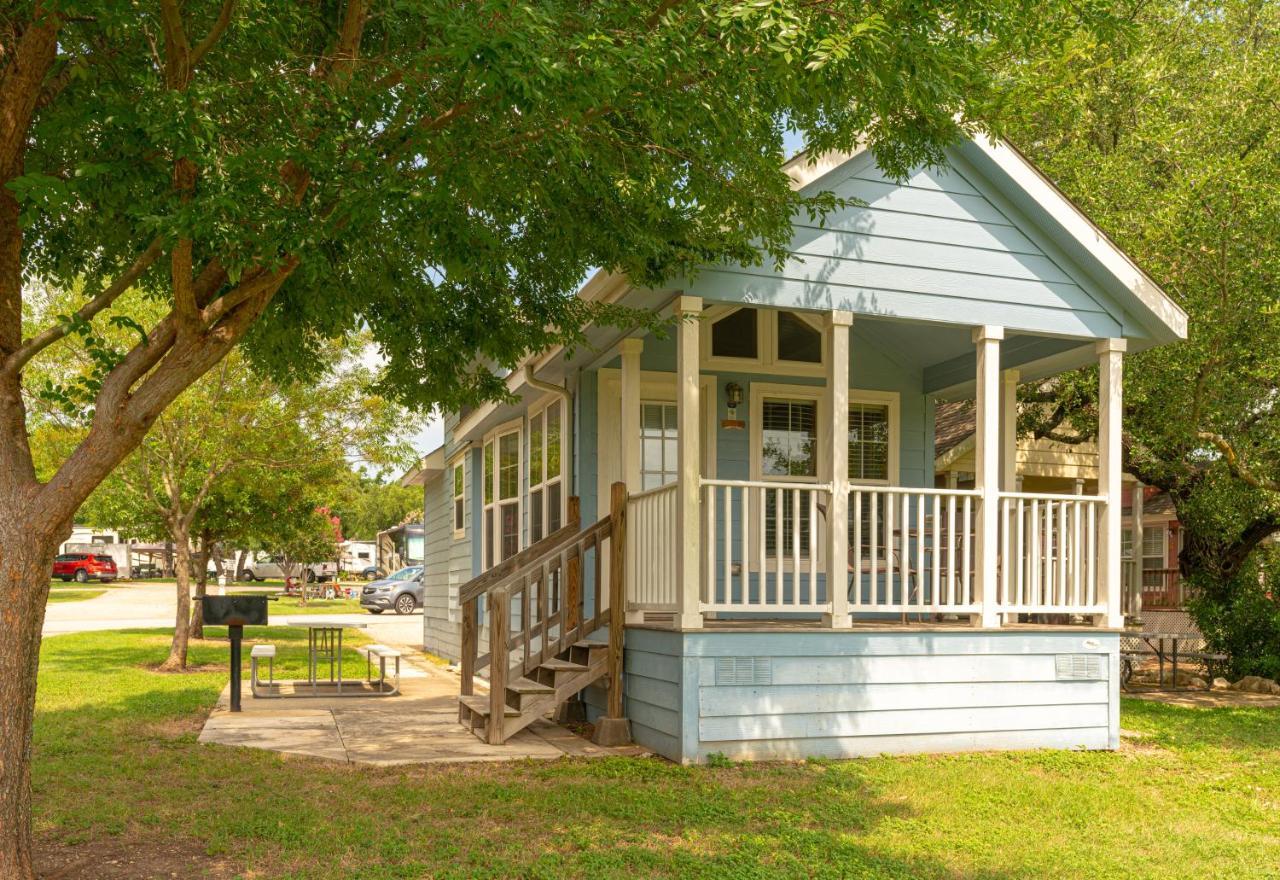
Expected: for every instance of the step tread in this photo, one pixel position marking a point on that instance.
(590, 643)
(480, 705)
(529, 686)
(557, 665)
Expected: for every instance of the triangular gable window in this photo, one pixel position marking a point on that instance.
(735, 335)
(798, 340)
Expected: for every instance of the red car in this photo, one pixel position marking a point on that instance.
(83, 566)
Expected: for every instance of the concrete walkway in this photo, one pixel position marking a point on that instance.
(419, 726)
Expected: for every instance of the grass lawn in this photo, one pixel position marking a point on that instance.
(62, 594)
(117, 769)
(287, 606)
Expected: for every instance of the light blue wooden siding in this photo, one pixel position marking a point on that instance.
(783, 695)
(450, 561)
(935, 247)
(653, 694)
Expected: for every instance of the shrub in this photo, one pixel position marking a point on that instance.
(1241, 618)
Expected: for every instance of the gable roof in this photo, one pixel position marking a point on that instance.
(1012, 174)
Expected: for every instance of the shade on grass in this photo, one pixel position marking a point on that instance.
(1198, 797)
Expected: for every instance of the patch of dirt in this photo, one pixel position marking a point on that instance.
(176, 728)
(122, 858)
(191, 668)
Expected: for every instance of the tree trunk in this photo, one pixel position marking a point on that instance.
(25, 563)
(241, 561)
(177, 658)
(202, 584)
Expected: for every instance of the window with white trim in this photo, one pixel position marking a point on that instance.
(868, 457)
(785, 342)
(1154, 546)
(659, 444)
(501, 496)
(459, 500)
(788, 448)
(546, 469)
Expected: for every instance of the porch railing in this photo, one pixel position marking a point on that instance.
(762, 542)
(651, 550)
(1048, 556)
(910, 551)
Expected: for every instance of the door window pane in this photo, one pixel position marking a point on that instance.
(789, 437)
(658, 446)
(798, 340)
(735, 335)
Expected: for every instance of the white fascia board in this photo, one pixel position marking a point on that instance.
(1071, 220)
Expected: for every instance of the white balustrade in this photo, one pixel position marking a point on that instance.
(651, 550)
(762, 543)
(1049, 554)
(911, 550)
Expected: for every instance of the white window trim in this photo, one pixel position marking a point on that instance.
(894, 401)
(766, 344)
(539, 408)
(762, 390)
(459, 463)
(515, 426)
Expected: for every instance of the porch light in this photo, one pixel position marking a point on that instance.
(732, 399)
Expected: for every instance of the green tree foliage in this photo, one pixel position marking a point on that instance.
(367, 505)
(442, 172)
(1171, 142)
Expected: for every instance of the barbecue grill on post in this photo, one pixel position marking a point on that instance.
(235, 613)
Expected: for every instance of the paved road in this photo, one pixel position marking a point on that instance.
(154, 605)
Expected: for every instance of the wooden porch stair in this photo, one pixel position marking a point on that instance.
(551, 654)
(543, 690)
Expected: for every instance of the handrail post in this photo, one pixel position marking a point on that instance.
(573, 574)
(499, 660)
(470, 647)
(614, 729)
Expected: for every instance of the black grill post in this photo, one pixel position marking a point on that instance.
(235, 612)
(236, 633)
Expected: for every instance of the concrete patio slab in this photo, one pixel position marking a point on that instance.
(419, 726)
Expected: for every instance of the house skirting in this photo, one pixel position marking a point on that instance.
(796, 694)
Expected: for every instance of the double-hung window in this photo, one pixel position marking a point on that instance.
(459, 500)
(546, 469)
(501, 496)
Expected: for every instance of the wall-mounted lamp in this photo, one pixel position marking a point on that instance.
(732, 399)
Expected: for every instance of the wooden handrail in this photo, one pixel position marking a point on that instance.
(485, 581)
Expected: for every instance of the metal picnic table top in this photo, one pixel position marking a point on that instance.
(321, 644)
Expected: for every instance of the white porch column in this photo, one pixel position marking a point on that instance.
(835, 444)
(1009, 430)
(630, 422)
(688, 458)
(1110, 398)
(986, 445)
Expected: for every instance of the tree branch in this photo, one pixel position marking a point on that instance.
(215, 33)
(42, 340)
(1232, 458)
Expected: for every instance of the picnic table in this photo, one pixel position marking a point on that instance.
(324, 642)
(1155, 640)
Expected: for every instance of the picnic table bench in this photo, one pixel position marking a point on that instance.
(1155, 641)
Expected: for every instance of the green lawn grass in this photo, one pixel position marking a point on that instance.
(60, 594)
(116, 759)
(288, 606)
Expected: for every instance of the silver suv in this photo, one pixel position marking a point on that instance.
(401, 590)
